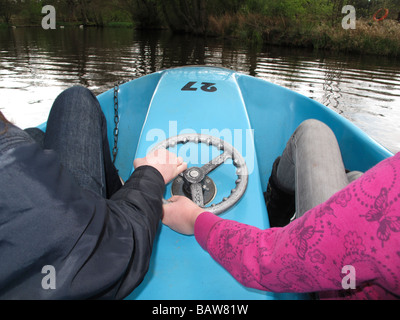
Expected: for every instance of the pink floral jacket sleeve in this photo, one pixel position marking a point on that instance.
(358, 227)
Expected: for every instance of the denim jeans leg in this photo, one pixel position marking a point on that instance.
(312, 165)
(76, 130)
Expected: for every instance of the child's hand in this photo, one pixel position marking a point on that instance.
(180, 214)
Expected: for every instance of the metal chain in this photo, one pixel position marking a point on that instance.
(116, 122)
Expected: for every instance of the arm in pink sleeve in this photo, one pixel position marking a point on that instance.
(359, 226)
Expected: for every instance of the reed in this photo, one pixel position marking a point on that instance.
(369, 37)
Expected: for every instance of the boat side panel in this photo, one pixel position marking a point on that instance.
(275, 112)
(133, 102)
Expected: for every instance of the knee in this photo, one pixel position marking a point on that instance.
(79, 93)
(78, 99)
(313, 127)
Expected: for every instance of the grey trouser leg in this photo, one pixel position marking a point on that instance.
(312, 166)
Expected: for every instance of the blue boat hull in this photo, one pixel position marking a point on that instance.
(254, 116)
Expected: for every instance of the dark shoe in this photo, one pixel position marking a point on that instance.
(280, 203)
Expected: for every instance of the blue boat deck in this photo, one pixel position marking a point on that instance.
(254, 116)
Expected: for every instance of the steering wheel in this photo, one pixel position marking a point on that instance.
(194, 182)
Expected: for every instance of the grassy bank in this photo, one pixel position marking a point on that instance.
(369, 37)
(112, 24)
(380, 38)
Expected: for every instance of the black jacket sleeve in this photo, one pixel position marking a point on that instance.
(98, 248)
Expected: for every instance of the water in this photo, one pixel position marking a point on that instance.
(36, 65)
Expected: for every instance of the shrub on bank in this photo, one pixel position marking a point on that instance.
(369, 37)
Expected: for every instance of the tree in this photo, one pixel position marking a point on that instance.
(144, 13)
(7, 9)
(186, 15)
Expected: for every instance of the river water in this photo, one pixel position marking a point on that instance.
(36, 65)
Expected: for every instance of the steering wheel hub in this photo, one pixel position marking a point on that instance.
(182, 188)
(194, 175)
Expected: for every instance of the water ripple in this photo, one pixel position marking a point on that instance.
(35, 68)
(368, 96)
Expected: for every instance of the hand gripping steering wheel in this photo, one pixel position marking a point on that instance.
(194, 182)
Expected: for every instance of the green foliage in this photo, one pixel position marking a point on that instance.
(255, 6)
(308, 23)
(144, 13)
(221, 7)
(6, 11)
(186, 15)
(31, 11)
(285, 8)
